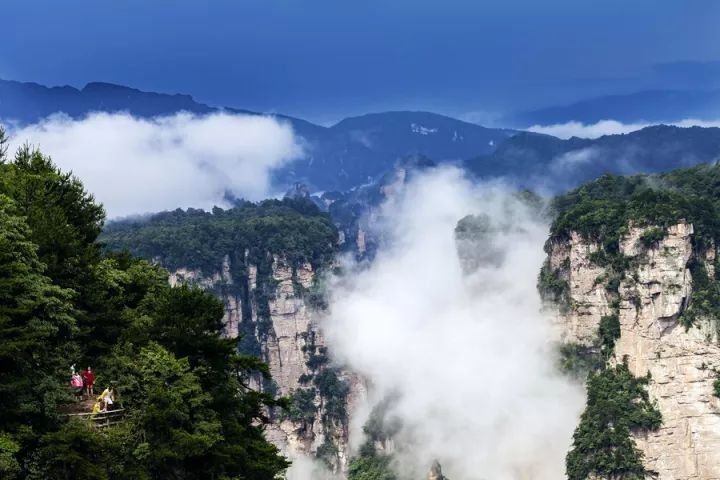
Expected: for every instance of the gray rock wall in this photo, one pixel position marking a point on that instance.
(683, 364)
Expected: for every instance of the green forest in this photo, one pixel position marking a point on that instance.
(190, 413)
(195, 238)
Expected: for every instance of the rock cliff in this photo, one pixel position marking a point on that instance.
(652, 287)
(435, 472)
(272, 310)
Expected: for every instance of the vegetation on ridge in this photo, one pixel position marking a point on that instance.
(617, 405)
(193, 238)
(601, 211)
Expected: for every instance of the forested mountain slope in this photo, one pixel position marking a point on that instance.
(266, 262)
(190, 411)
(532, 159)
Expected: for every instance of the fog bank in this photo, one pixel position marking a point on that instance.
(136, 165)
(468, 356)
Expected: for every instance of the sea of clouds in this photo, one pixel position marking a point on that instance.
(134, 165)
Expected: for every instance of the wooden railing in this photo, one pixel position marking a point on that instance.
(102, 419)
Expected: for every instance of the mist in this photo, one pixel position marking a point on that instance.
(465, 354)
(135, 165)
(610, 127)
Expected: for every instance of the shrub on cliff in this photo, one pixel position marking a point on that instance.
(617, 406)
(371, 465)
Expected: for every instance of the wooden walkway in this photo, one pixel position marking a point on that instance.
(102, 419)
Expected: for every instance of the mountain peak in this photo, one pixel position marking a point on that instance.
(106, 87)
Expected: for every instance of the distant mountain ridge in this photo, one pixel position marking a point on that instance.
(360, 150)
(339, 157)
(532, 159)
(650, 106)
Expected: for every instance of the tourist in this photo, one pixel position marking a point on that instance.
(108, 398)
(89, 378)
(76, 383)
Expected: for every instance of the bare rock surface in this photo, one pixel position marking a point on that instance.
(682, 364)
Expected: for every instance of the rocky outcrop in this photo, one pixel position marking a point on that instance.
(652, 295)
(435, 472)
(266, 307)
(588, 296)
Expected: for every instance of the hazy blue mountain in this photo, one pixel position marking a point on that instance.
(357, 149)
(534, 160)
(356, 212)
(655, 106)
(30, 102)
(339, 157)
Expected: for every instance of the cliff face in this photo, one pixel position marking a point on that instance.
(269, 308)
(653, 294)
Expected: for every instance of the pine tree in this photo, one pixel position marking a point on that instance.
(36, 328)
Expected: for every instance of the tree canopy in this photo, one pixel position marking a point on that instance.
(63, 301)
(195, 238)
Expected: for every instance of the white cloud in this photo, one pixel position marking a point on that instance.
(305, 468)
(608, 127)
(573, 159)
(135, 165)
(470, 356)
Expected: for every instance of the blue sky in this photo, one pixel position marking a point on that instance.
(324, 59)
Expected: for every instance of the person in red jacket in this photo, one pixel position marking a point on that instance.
(89, 380)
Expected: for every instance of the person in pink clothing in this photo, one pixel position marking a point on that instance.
(76, 383)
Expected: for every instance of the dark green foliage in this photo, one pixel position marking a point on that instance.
(315, 360)
(652, 237)
(75, 451)
(316, 357)
(186, 380)
(190, 415)
(382, 424)
(9, 466)
(36, 331)
(716, 388)
(553, 287)
(302, 406)
(198, 239)
(334, 391)
(601, 210)
(117, 285)
(578, 360)
(608, 333)
(315, 296)
(371, 465)
(705, 300)
(249, 234)
(617, 405)
(64, 219)
(327, 452)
